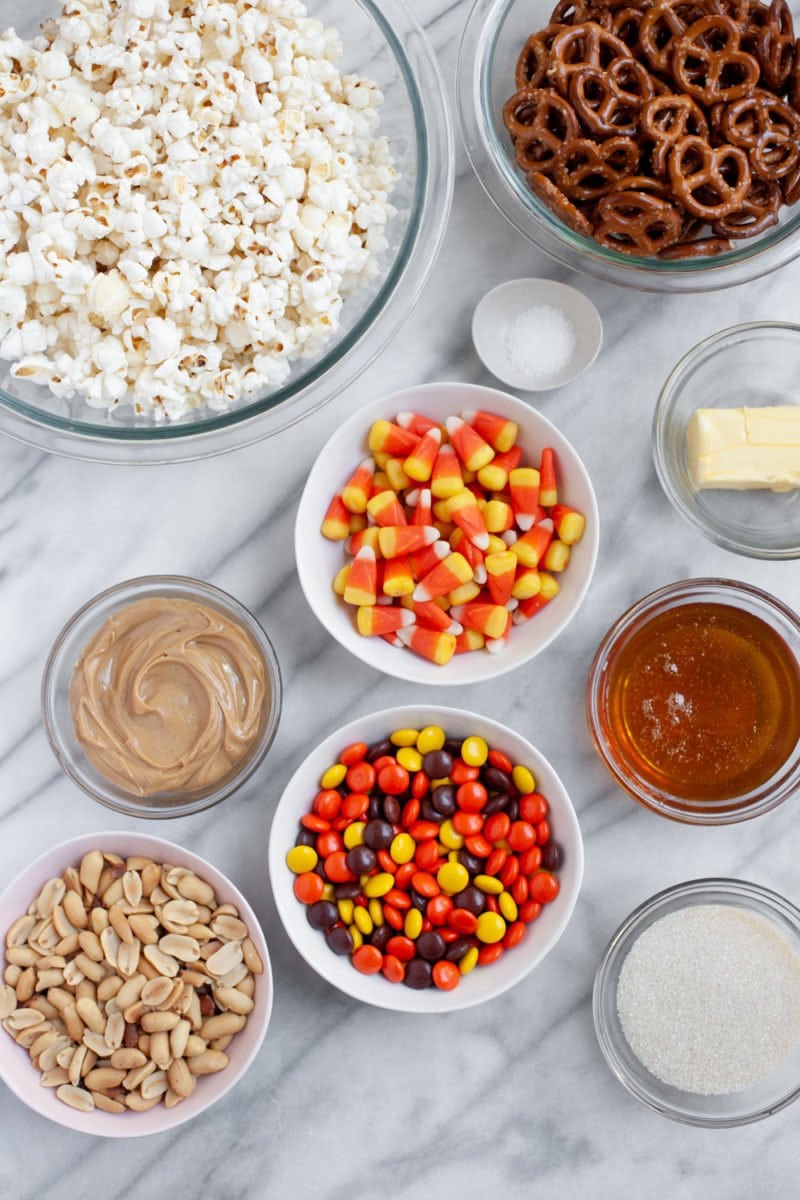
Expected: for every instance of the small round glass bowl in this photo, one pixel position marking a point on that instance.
(495, 32)
(752, 365)
(742, 596)
(57, 715)
(780, 1088)
(384, 41)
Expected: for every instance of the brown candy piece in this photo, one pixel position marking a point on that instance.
(709, 181)
(636, 223)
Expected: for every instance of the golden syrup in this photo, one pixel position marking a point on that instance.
(704, 701)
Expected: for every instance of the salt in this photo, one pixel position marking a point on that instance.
(709, 999)
(540, 341)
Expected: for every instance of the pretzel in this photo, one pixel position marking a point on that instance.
(662, 24)
(540, 121)
(575, 12)
(578, 46)
(793, 91)
(608, 102)
(775, 49)
(758, 212)
(767, 127)
(702, 248)
(636, 223)
(558, 203)
(665, 120)
(706, 57)
(790, 187)
(585, 170)
(709, 181)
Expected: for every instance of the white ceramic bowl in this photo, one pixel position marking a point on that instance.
(15, 1066)
(484, 983)
(318, 559)
(495, 313)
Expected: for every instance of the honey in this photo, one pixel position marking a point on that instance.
(704, 701)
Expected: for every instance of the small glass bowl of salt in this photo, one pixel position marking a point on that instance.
(536, 334)
(697, 1003)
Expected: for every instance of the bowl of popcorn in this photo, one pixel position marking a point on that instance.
(136, 985)
(201, 245)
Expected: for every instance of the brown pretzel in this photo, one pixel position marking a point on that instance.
(584, 45)
(709, 64)
(709, 181)
(662, 24)
(758, 212)
(609, 102)
(558, 204)
(540, 121)
(585, 170)
(790, 186)
(775, 45)
(625, 25)
(702, 248)
(767, 127)
(665, 120)
(793, 90)
(575, 12)
(643, 183)
(636, 223)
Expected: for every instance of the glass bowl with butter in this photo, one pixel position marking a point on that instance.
(726, 439)
(161, 696)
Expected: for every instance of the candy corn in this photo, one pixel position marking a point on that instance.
(463, 509)
(501, 571)
(527, 583)
(524, 486)
(498, 431)
(419, 463)
(569, 524)
(396, 477)
(498, 516)
(425, 560)
(489, 619)
(365, 537)
(469, 640)
(396, 541)
(388, 438)
(446, 477)
(450, 573)
(464, 592)
(438, 647)
(375, 621)
(494, 476)
(362, 582)
(416, 423)
(548, 492)
(336, 525)
(530, 548)
(557, 556)
(398, 579)
(386, 509)
(429, 614)
(358, 488)
(528, 608)
(470, 447)
(340, 579)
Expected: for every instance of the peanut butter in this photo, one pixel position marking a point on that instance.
(168, 696)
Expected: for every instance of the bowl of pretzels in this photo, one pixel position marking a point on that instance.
(654, 143)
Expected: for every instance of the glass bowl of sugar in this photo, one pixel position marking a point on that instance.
(536, 334)
(697, 1003)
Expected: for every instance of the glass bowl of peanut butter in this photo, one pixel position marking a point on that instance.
(161, 696)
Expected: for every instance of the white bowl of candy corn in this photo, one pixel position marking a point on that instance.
(447, 534)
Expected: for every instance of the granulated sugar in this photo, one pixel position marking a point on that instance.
(709, 999)
(540, 341)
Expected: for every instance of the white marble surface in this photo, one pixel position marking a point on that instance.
(511, 1099)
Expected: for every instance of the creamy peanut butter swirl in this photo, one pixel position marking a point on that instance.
(168, 696)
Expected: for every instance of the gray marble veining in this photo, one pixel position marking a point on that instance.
(512, 1099)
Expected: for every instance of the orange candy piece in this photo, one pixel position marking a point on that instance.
(569, 524)
(396, 541)
(397, 578)
(489, 619)
(336, 525)
(531, 547)
(362, 579)
(548, 491)
(387, 438)
(419, 463)
(385, 509)
(499, 432)
(463, 509)
(445, 576)
(437, 647)
(358, 488)
(470, 447)
(446, 477)
(501, 570)
(378, 620)
(524, 486)
(494, 476)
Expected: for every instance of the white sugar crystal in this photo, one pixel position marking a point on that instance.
(709, 999)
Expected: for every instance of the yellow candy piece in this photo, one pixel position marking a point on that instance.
(340, 579)
(448, 836)
(404, 737)
(491, 928)
(508, 907)
(452, 856)
(412, 926)
(328, 892)
(375, 910)
(333, 776)
(345, 908)
(431, 738)
(474, 751)
(410, 758)
(379, 885)
(354, 834)
(469, 960)
(452, 878)
(301, 859)
(356, 935)
(488, 884)
(362, 920)
(523, 780)
(403, 848)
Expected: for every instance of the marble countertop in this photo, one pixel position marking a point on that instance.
(513, 1098)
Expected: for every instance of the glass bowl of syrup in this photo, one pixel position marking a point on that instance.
(693, 701)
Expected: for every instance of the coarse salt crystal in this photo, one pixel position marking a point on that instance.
(540, 341)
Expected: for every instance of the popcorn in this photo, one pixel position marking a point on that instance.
(187, 193)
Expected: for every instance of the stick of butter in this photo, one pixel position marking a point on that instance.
(745, 448)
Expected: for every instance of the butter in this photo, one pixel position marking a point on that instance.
(745, 448)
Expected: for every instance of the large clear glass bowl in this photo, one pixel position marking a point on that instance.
(383, 41)
(495, 32)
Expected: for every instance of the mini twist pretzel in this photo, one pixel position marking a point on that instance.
(585, 45)
(540, 121)
(665, 120)
(585, 170)
(709, 64)
(575, 12)
(626, 23)
(636, 223)
(775, 48)
(609, 102)
(558, 204)
(662, 24)
(709, 181)
(758, 212)
(767, 127)
(702, 248)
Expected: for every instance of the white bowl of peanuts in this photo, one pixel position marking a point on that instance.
(549, 598)
(110, 915)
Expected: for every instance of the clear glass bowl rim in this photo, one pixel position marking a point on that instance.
(703, 351)
(739, 890)
(505, 188)
(751, 804)
(129, 590)
(377, 326)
